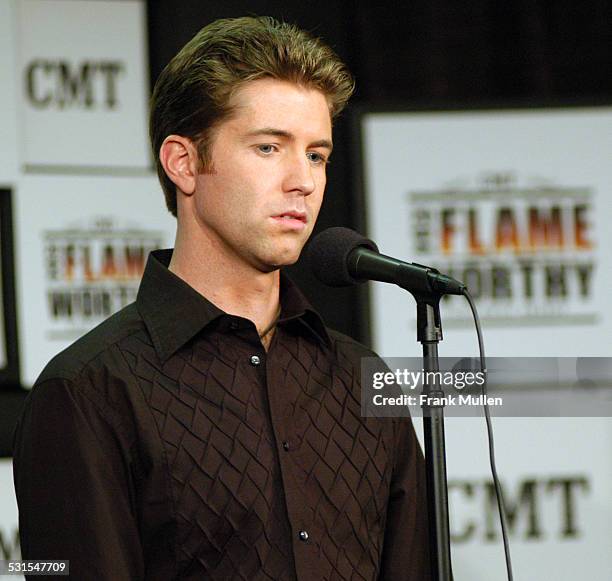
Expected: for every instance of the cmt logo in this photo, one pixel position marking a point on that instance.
(61, 84)
(476, 516)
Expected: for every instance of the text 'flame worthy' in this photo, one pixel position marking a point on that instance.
(93, 272)
(529, 250)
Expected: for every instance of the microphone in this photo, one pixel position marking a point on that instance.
(341, 257)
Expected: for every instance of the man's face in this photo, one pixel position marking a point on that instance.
(262, 198)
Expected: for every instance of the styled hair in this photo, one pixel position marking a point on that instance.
(193, 93)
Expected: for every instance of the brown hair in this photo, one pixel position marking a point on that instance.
(192, 95)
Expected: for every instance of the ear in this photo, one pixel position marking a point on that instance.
(179, 158)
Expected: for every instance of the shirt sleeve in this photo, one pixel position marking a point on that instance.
(406, 551)
(73, 485)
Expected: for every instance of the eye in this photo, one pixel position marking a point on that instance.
(266, 148)
(317, 158)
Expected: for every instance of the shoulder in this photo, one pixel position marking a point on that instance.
(88, 383)
(97, 344)
(87, 379)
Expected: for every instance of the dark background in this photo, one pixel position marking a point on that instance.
(419, 54)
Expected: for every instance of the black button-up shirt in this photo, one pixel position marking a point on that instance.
(168, 444)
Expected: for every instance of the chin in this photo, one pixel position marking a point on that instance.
(283, 259)
(282, 253)
(284, 262)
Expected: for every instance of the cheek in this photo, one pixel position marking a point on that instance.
(234, 205)
(213, 204)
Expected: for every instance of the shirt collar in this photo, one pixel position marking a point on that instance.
(295, 306)
(175, 312)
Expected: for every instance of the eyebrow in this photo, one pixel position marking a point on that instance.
(326, 143)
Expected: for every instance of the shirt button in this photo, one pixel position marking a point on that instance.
(234, 325)
(286, 446)
(255, 360)
(303, 535)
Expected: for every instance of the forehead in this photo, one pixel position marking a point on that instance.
(288, 106)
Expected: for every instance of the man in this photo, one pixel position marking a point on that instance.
(212, 430)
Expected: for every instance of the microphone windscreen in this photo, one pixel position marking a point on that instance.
(328, 255)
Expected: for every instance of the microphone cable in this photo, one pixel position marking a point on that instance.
(498, 490)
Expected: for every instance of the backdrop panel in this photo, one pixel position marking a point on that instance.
(556, 474)
(84, 81)
(82, 243)
(517, 204)
(8, 95)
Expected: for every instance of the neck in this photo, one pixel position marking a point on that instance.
(233, 285)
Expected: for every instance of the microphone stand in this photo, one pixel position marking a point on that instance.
(427, 286)
(429, 334)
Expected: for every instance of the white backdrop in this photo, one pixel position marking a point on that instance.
(84, 83)
(454, 190)
(8, 95)
(488, 161)
(74, 238)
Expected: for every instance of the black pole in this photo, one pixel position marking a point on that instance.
(429, 334)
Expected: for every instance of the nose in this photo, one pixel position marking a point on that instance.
(299, 176)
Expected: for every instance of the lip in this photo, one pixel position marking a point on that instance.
(293, 214)
(292, 220)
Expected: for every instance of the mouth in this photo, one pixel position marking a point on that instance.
(293, 220)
